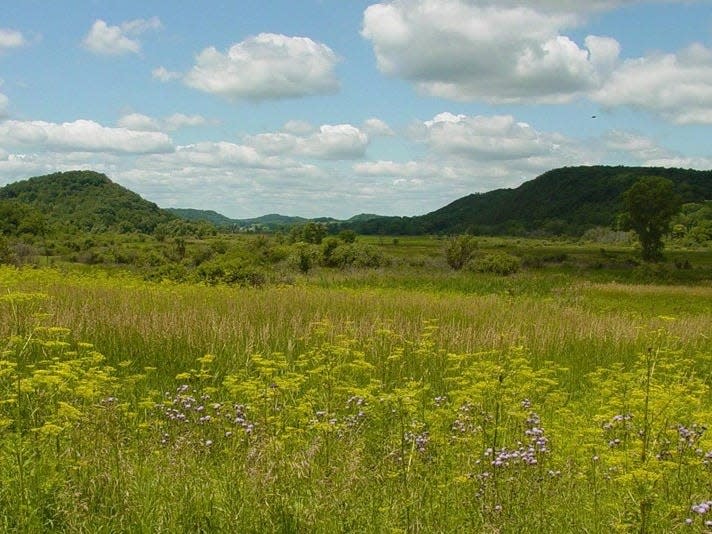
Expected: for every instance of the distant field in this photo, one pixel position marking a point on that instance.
(409, 398)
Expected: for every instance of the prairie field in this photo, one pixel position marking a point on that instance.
(402, 399)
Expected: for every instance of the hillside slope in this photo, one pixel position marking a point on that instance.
(570, 199)
(86, 201)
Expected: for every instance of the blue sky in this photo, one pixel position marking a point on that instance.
(339, 107)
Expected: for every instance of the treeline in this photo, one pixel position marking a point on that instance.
(567, 201)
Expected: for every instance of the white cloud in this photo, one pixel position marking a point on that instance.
(117, 40)
(498, 137)
(329, 142)
(297, 127)
(496, 52)
(213, 154)
(180, 120)
(268, 66)
(165, 75)
(676, 86)
(82, 136)
(631, 145)
(139, 26)
(141, 122)
(376, 127)
(340, 141)
(3, 105)
(399, 170)
(11, 39)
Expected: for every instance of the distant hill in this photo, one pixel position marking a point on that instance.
(189, 214)
(565, 201)
(568, 201)
(270, 221)
(86, 201)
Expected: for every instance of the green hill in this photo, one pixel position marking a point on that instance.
(189, 214)
(85, 201)
(568, 201)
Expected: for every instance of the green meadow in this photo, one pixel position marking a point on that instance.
(572, 395)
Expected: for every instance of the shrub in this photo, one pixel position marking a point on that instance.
(359, 256)
(230, 272)
(459, 251)
(501, 264)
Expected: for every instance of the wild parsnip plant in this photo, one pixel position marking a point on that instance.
(142, 407)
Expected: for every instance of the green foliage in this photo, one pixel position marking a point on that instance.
(354, 255)
(311, 233)
(459, 251)
(565, 201)
(649, 206)
(347, 236)
(693, 225)
(231, 272)
(533, 404)
(18, 218)
(502, 264)
(86, 201)
(303, 257)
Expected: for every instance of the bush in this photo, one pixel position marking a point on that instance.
(359, 256)
(230, 272)
(501, 264)
(303, 257)
(459, 251)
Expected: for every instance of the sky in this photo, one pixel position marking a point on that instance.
(340, 107)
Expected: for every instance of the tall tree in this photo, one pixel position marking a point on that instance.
(649, 206)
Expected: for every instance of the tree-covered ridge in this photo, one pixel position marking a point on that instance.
(569, 200)
(86, 201)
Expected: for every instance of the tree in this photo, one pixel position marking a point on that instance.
(649, 206)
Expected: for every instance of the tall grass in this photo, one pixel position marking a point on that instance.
(559, 407)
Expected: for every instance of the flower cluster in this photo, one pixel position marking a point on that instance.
(701, 509)
(689, 436)
(418, 440)
(188, 410)
(619, 425)
(526, 453)
(467, 421)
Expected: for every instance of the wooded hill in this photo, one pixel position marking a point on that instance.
(85, 201)
(564, 201)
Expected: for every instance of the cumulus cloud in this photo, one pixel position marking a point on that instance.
(11, 39)
(329, 142)
(141, 122)
(82, 136)
(498, 52)
(497, 137)
(376, 127)
(108, 40)
(298, 127)
(267, 66)
(676, 86)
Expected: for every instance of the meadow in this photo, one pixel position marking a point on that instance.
(570, 396)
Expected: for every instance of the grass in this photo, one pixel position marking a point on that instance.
(408, 399)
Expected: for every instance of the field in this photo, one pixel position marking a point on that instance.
(571, 396)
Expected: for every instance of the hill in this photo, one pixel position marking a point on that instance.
(568, 200)
(85, 201)
(213, 217)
